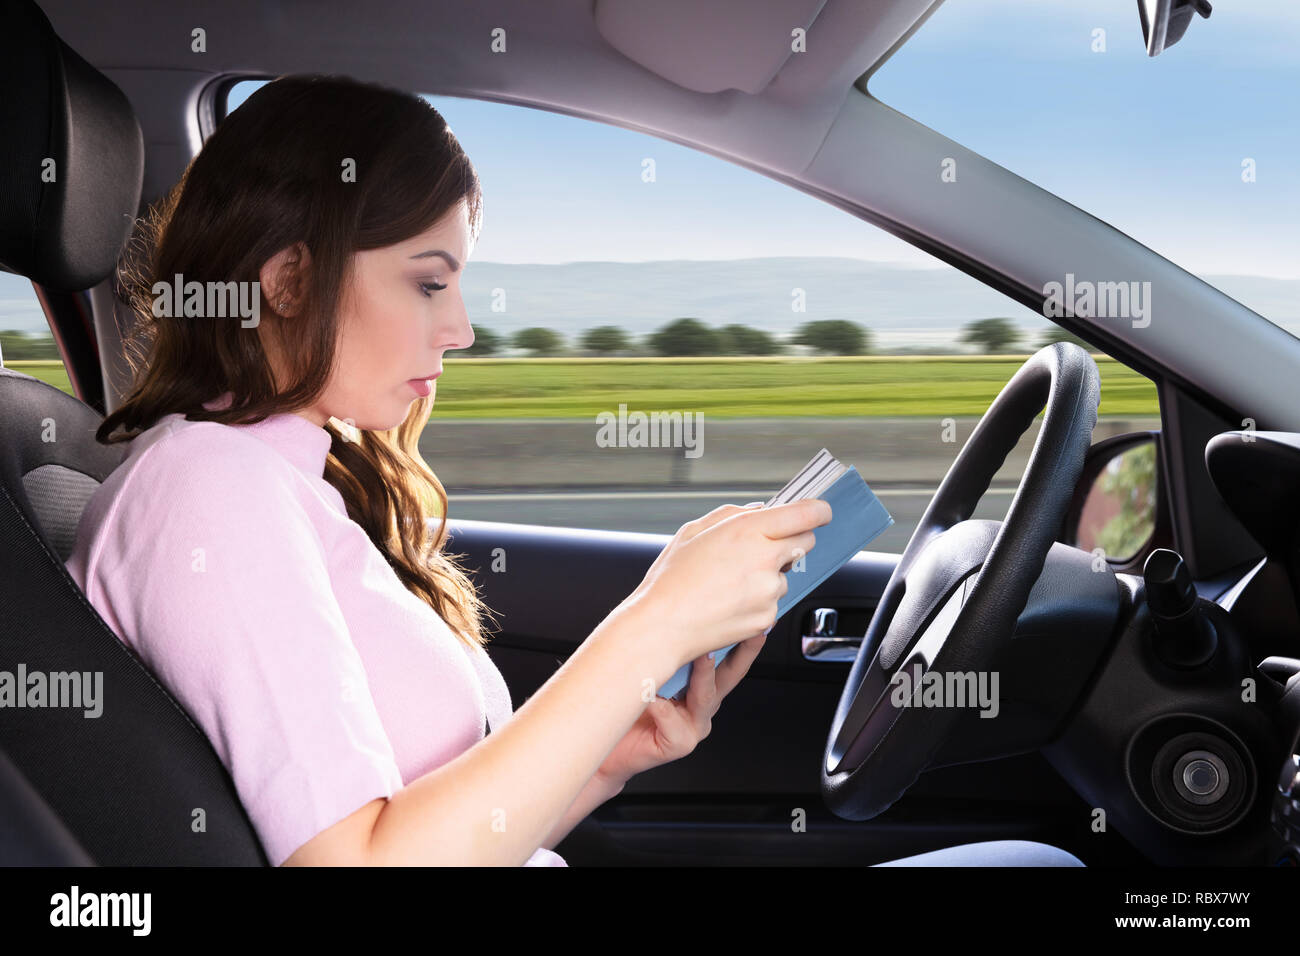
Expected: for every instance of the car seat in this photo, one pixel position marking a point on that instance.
(140, 784)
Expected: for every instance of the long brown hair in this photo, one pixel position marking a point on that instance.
(269, 177)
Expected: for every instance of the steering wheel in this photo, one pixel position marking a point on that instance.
(952, 602)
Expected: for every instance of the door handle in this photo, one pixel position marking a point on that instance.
(823, 645)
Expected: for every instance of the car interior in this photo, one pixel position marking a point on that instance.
(1148, 705)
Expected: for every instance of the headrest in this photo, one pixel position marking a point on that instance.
(71, 157)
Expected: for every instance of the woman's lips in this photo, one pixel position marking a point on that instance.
(423, 386)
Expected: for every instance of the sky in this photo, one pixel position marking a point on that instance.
(1152, 145)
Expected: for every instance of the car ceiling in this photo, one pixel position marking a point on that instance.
(677, 68)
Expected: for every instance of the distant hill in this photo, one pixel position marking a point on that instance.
(907, 307)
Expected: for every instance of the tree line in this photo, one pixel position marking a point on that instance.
(693, 337)
(680, 337)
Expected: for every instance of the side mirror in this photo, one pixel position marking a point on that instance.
(1165, 21)
(1116, 507)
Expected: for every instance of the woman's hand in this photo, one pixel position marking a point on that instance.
(670, 729)
(719, 579)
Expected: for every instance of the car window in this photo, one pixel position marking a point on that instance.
(1191, 152)
(659, 332)
(26, 344)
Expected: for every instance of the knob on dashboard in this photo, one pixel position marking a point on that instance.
(1185, 637)
(1170, 591)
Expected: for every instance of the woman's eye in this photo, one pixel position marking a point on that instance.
(426, 287)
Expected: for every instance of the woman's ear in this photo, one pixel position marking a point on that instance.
(283, 277)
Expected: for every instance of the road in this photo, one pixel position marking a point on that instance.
(665, 511)
(553, 473)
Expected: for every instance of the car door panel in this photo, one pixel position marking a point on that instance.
(750, 791)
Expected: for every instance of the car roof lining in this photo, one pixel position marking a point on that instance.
(708, 48)
(445, 47)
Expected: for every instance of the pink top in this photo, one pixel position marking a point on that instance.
(225, 560)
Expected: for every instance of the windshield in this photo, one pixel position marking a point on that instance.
(1192, 153)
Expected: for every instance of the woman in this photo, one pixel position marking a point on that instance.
(264, 546)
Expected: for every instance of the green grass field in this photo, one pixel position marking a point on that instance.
(49, 371)
(883, 385)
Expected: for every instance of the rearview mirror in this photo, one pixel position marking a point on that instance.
(1165, 21)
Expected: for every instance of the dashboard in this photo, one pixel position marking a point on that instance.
(1257, 473)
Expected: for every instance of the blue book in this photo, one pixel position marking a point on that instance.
(857, 517)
